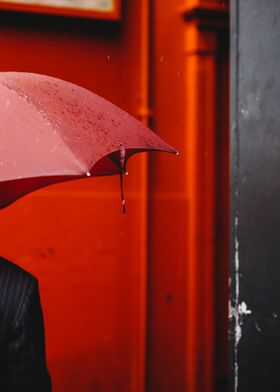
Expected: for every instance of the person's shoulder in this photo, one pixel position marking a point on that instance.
(11, 272)
(16, 285)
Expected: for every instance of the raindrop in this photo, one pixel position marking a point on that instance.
(257, 327)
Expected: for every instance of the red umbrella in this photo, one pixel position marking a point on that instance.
(53, 131)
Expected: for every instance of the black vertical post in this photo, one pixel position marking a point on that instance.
(255, 196)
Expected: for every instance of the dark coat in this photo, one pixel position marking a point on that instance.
(22, 341)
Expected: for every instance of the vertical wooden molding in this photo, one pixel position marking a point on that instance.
(201, 129)
(204, 21)
(143, 115)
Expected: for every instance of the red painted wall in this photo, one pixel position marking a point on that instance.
(188, 265)
(134, 302)
(168, 205)
(73, 236)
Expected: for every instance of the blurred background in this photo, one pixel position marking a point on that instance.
(134, 302)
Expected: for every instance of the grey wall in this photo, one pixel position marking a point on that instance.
(255, 195)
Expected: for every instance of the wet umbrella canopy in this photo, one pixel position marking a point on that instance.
(53, 131)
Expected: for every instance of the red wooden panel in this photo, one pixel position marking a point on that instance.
(166, 362)
(74, 242)
(73, 236)
(189, 210)
(90, 259)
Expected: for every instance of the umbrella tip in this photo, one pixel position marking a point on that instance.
(177, 153)
(126, 173)
(123, 206)
(88, 174)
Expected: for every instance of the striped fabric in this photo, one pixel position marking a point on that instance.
(22, 342)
